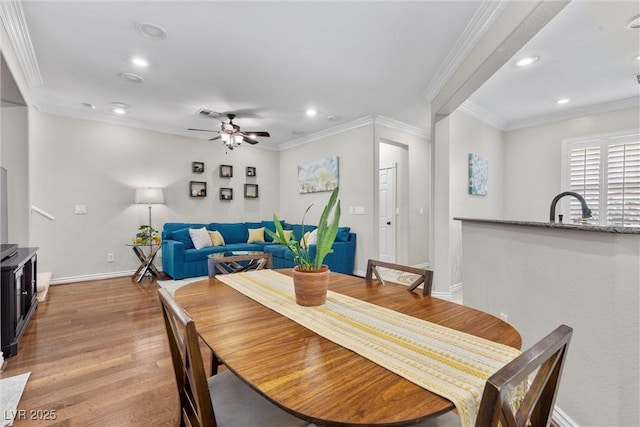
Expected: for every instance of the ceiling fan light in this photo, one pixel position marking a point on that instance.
(225, 137)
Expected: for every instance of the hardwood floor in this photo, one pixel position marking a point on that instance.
(98, 356)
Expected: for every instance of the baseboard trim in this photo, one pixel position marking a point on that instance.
(88, 277)
(455, 288)
(561, 419)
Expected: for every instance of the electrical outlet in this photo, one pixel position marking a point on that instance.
(111, 257)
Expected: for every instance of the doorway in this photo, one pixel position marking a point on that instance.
(387, 213)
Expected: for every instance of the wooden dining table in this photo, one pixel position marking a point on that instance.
(314, 378)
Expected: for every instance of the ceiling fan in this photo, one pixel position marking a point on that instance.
(232, 136)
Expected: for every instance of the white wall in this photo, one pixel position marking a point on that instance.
(14, 158)
(79, 162)
(533, 159)
(456, 137)
(354, 149)
(414, 183)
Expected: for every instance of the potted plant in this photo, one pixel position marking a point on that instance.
(310, 276)
(146, 235)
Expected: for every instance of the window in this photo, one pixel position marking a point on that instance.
(606, 172)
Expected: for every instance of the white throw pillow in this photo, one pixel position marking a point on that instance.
(200, 237)
(313, 237)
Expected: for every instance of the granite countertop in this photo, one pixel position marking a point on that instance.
(562, 226)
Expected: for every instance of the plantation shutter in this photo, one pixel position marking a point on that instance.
(584, 179)
(623, 184)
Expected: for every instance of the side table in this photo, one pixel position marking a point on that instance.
(146, 261)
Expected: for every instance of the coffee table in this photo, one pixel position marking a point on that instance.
(237, 261)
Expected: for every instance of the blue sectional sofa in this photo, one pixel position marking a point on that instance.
(180, 259)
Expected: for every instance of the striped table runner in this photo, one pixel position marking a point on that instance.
(452, 364)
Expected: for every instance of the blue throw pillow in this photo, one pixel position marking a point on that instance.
(343, 234)
(270, 225)
(232, 232)
(183, 236)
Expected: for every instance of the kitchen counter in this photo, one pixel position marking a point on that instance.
(538, 275)
(560, 226)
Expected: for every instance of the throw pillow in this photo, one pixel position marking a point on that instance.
(312, 239)
(200, 237)
(256, 235)
(216, 238)
(305, 239)
(183, 237)
(287, 235)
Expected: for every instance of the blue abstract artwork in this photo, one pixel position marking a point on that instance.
(478, 174)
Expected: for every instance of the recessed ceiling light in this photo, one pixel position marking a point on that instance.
(634, 23)
(637, 58)
(151, 30)
(89, 105)
(563, 101)
(119, 111)
(130, 77)
(139, 62)
(312, 112)
(523, 62)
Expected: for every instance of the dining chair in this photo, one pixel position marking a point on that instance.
(545, 358)
(235, 403)
(425, 277)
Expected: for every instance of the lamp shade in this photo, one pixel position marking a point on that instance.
(149, 196)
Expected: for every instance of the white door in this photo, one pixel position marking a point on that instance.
(387, 197)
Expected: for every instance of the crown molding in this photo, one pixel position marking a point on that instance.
(483, 115)
(605, 107)
(358, 123)
(15, 25)
(482, 20)
(402, 127)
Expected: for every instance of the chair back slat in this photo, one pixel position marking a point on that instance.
(546, 358)
(196, 408)
(425, 277)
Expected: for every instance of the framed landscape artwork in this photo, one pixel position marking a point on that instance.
(318, 175)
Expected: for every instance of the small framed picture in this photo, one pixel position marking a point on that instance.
(198, 189)
(197, 167)
(226, 171)
(251, 171)
(251, 191)
(226, 193)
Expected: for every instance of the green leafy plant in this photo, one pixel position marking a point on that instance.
(147, 233)
(326, 235)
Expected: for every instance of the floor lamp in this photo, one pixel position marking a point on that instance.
(149, 196)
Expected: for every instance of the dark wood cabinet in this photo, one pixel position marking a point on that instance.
(18, 297)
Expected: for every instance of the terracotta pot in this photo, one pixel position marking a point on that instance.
(311, 286)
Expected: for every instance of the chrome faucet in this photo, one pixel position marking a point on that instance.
(586, 212)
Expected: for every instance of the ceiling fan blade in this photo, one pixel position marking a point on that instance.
(249, 140)
(203, 130)
(257, 133)
(215, 137)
